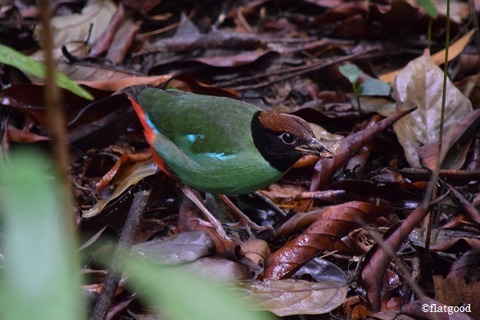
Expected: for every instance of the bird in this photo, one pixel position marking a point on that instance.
(220, 145)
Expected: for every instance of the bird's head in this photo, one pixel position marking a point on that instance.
(283, 139)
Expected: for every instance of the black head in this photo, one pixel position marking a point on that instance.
(283, 139)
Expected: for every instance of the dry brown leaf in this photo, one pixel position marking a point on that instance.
(130, 177)
(420, 85)
(285, 196)
(87, 25)
(257, 250)
(290, 297)
(324, 234)
(95, 73)
(17, 135)
(124, 160)
(115, 84)
(372, 274)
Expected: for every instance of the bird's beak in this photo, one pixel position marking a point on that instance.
(316, 148)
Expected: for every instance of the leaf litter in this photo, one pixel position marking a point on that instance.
(284, 57)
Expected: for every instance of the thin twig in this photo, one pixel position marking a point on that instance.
(440, 152)
(110, 284)
(53, 101)
(284, 74)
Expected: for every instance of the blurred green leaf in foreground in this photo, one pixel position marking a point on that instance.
(183, 296)
(40, 278)
(37, 69)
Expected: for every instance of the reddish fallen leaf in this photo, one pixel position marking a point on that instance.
(122, 14)
(185, 82)
(17, 135)
(126, 158)
(190, 219)
(119, 83)
(205, 68)
(372, 274)
(128, 178)
(324, 234)
(123, 39)
(296, 222)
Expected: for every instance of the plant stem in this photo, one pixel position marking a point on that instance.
(130, 228)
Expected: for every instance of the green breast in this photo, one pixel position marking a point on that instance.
(206, 141)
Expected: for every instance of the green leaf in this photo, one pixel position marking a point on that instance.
(40, 279)
(37, 69)
(184, 297)
(430, 7)
(375, 87)
(350, 71)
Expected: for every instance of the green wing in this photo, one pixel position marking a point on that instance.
(206, 141)
(199, 124)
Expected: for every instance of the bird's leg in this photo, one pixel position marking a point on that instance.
(195, 198)
(244, 221)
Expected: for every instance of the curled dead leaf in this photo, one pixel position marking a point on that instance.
(324, 234)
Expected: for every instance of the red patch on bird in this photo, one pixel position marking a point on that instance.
(161, 164)
(142, 116)
(150, 136)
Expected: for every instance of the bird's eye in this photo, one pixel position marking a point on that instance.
(288, 138)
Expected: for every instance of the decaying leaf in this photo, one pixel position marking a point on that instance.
(324, 234)
(420, 85)
(114, 81)
(17, 135)
(182, 248)
(290, 297)
(129, 178)
(85, 26)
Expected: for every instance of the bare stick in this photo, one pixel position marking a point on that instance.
(110, 284)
